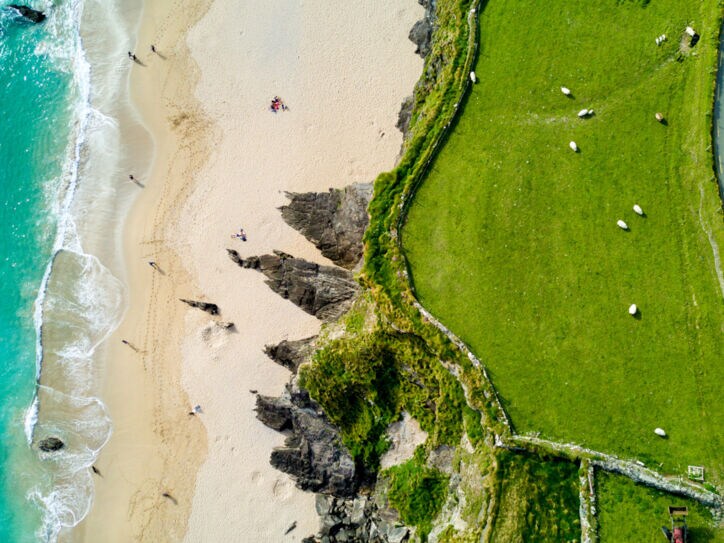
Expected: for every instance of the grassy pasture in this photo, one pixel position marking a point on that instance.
(512, 239)
(630, 512)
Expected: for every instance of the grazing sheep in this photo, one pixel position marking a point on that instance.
(660, 117)
(690, 31)
(573, 146)
(472, 77)
(638, 210)
(622, 225)
(632, 309)
(585, 113)
(660, 432)
(566, 91)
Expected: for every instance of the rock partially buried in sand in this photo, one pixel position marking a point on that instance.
(212, 309)
(32, 15)
(224, 324)
(50, 444)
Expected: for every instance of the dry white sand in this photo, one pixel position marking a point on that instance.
(223, 161)
(343, 73)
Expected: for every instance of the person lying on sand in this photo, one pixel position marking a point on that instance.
(277, 105)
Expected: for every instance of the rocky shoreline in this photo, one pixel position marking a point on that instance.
(313, 452)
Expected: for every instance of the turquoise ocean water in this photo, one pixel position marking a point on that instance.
(37, 99)
(58, 299)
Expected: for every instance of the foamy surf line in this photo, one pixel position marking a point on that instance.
(79, 303)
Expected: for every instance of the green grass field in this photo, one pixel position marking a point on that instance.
(512, 239)
(629, 512)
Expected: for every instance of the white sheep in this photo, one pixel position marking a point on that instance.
(566, 91)
(584, 113)
(660, 432)
(633, 309)
(573, 146)
(637, 209)
(690, 31)
(472, 77)
(622, 225)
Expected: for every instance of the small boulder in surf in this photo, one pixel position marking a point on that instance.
(50, 444)
(32, 15)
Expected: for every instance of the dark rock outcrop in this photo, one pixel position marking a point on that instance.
(421, 35)
(32, 15)
(212, 309)
(323, 291)
(353, 520)
(404, 116)
(274, 412)
(421, 32)
(313, 452)
(50, 444)
(334, 221)
(291, 354)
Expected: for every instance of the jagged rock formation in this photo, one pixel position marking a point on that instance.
(421, 32)
(212, 309)
(50, 444)
(313, 452)
(357, 519)
(334, 221)
(421, 35)
(291, 354)
(323, 291)
(276, 413)
(32, 15)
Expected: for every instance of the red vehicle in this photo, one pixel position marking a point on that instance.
(678, 532)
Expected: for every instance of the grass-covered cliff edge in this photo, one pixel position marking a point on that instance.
(387, 355)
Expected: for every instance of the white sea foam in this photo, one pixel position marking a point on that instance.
(80, 302)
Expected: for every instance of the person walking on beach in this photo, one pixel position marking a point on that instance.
(153, 48)
(153, 264)
(129, 344)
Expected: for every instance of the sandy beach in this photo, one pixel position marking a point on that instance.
(222, 161)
